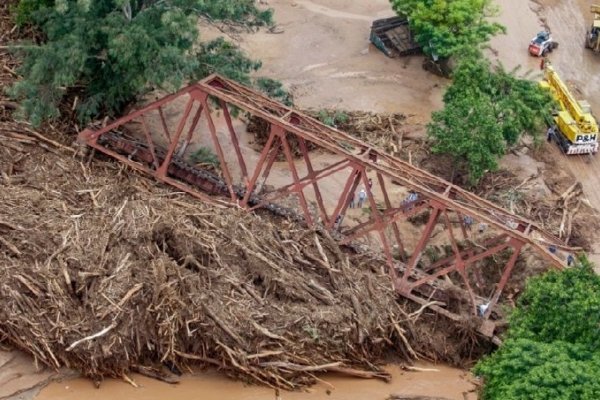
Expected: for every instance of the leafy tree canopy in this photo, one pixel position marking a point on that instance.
(552, 350)
(109, 51)
(486, 110)
(443, 27)
(563, 306)
(467, 129)
(525, 369)
(520, 105)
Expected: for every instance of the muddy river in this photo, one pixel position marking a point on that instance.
(448, 383)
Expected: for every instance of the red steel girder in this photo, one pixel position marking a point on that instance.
(351, 160)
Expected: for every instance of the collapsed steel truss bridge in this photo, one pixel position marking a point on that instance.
(321, 185)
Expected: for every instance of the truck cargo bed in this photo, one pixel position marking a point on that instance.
(393, 37)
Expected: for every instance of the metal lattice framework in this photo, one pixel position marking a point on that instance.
(448, 212)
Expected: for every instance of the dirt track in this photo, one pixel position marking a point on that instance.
(325, 57)
(568, 21)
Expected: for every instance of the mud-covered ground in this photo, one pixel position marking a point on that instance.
(324, 57)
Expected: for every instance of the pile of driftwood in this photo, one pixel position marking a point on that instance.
(8, 64)
(563, 211)
(383, 130)
(106, 272)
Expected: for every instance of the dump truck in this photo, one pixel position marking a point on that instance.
(592, 38)
(574, 128)
(394, 38)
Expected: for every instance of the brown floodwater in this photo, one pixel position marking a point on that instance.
(442, 381)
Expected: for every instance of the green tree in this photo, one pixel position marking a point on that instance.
(467, 130)
(109, 51)
(274, 89)
(520, 104)
(224, 58)
(443, 27)
(562, 306)
(25, 9)
(525, 369)
(552, 350)
(486, 110)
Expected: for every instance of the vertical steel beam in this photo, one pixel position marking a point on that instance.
(259, 165)
(344, 200)
(381, 229)
(162, 170)
(418, 251)
(164, 124)
(150, 142)
(235, 141)
(516, 245)
(388, 204)
(220, 154)
(311, 175)
(275, 151)
(459, 264)
(297, 187)
(188, 137)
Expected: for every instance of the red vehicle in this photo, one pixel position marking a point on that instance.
(542, 44)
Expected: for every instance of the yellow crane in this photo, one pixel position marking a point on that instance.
(592, 38)
(575, 129)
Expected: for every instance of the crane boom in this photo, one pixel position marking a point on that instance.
(576, 124)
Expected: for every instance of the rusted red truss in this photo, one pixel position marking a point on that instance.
(350, 165)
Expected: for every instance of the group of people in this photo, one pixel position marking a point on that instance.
(362, 196)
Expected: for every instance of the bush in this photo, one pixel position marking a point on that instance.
(204, 155)
(445, 27)
(561, 306)
(552, 350)
(487, 109)
(275, 90)
(224, 58)
(107, 52)
(25, 10)
(332, 118)
(531, 370)
(236, 10)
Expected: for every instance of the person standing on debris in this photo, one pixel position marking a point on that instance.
(570, 260)
(482, 227)
(351, 204)
(407, 203)
(482, 308)
(411, 198)
(338, 222)
(370, 183)
(549, 134)
(362, 196)
(468, 222)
